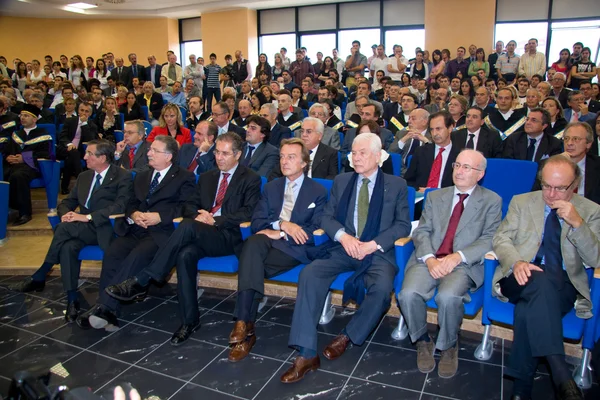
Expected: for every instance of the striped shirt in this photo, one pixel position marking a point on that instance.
(508, 65)
(532, 64)
(212, 80)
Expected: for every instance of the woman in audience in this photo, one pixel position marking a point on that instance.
(164, 86)
(278, 67)
(47, 72)
(557, 119)
(479, 63)
(257, 100)
(263, 65)
(229, 98)
(36, 74)
(405, 80)
(263, 78)
(386, 161)
(446, 56)
(457, 107)
(595, 92)
(427, 60)
(476, 82)
(563, 64)
(109, 120)
(19, 78)
(502, 83)
(431, 93)
(131, 109)
(121, 95)
(420, 68)
(297, 100)
(101, 73)
(466, 89)
(324, 73)
(170, 123)
(56, 71)
(583, 69)
(438, 65)
(77, 71)
(268, 93)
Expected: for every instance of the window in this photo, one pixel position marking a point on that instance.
(315, 43)
(188, 48)
(409, 39)
(564, 34)
(366, 37)
(271, 44)
(521, 32)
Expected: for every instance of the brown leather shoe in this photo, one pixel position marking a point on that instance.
(337, 347)
(300, 367)
(240, 331)
(242, 349)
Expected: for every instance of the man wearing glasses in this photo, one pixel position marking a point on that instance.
(543, 245)
(532, 143)
(132, 152)
(454, 233)
(220, 116)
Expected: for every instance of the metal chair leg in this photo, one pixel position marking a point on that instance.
(328, 311)
(401, 331)
(485, 350)
(263, 303)
(583, 373)
(200, 291)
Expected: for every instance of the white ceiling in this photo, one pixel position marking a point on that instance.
(140, 8)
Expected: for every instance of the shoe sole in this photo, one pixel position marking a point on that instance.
(446, 377)
(302, 377)
(97, 322)
(253, 342)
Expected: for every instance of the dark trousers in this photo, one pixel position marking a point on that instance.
(537, 327)
(210, 93)
(73, 168)
(191, 241)
(125, 257)
(315, 280)
(259, 260)
(19, 194)
(69, 238)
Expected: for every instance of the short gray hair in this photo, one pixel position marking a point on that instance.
(319, 124)
(139, 125)
(589, 134)
(483, 163)
(270, 107)
(372, 139)
(318, 105)
(171, 145)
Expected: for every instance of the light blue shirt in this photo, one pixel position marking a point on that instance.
(230, 172)
(299, 181)
(359, 183)
(256, 146)
(178, 99)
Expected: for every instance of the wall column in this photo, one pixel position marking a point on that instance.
(224, 32)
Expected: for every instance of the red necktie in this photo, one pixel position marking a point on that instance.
(220, 193)
(194, 164)
(436, 170)
(131, 155)
(447, 244)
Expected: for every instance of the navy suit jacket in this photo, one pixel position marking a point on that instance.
(584, 118)
(515, 147)
(278, 133)
(307, 213)
(419, 169)
(156, 78)
(205, 163)
(264, 158)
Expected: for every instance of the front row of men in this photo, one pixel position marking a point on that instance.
(543, 244)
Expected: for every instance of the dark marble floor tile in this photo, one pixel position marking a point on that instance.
(215, 328)
(542, 387)
(52, 291)
(391, 365)
(89, 370)
(38, 356)
(43, 320)
(181, 362)
(5, 294)
(146, 382)
(281, 313)
(165, 317)
(195, 392)
(164, 291)
(19, 306)
(358, 390)
(12, 338)
(473, 380)
(272, 340)
(131, 343)
(343, 365)
(228, 305)
(387, 326)
(315, 385)
(132, 311)
(211, 297)
(74, 335)
(244, 378)
(338, 323)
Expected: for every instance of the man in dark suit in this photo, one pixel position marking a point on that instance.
(135, 71)
(158, 197)
(431, 165)
(399, 120)
(195, 115)
(153, 71)
(368, 113)
(244, 108)
(151, 99)
(505, 119)
(532, 143)
(476, 135)
(102, 190)
(223, 199)
(278, 131)
(132, 152)
(21, 151)
(46, 116)
(559, 91)
(593, 106)
(366, 212)
(121, 73)
(75, 132)
(258, 154)
(283, 223)
(199, 157)
(220, 115)
(409, 139)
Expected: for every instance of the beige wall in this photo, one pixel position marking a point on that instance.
(449, 24)
(29, 38)
(240, 34)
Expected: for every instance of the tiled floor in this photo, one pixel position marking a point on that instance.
(33, 336)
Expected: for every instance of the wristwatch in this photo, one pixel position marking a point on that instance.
(281, 234)
(89, 217)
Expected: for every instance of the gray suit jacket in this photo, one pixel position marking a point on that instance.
(520, 235)
(140, 160)
(474, 233)
(331, 138)
(263, 159)
(351, 109)
(394, 148)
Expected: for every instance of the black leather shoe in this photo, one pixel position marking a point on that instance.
(27, 285)
(183, 333)
(569, 391)
(72, 312)
(22, 220)
(64, 191)
(128, 290)
(104, 319)
(83, 319)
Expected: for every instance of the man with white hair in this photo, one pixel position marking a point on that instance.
(244, 108)
(194, 71)
(172, 71)
(331, 137)
(278, 131)
(559, 91)
(363, 233)
(407, 140)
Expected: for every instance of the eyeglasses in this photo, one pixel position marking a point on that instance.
(559, 189)
(534, 120)
(573, 139)
(130, 132)
(217, 114)
(223, 153)
(307, 131)
(317, 114)
(466, 167)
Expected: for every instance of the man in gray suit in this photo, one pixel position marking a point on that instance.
(132, 152)
(258, 154)
(441, 99)
(367, 211)
(455, 231)
(543, 245)
(331, 137)
(407, 140)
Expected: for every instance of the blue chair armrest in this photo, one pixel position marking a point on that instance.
(50, 171)
(320, 237)
(591, 333)
(404, 248)
(114, 217)
(246, 230)
(489, 267)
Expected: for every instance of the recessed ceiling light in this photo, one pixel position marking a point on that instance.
(82, 6)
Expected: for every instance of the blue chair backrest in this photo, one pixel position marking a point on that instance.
(118, 136)
(339, 162)
(426, 192)
(509, 178)
(328, 183)
(396, 163)
(51, 129)
(310, 103)
(183, 113)
(408, 160)
(305, 112)
(341, 138)
(263, 182)
(412, 194)
(145, 111)
(122, 121)
(148, 127)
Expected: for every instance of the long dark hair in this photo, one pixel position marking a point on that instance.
(438, 53)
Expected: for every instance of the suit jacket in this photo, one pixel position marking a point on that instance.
(594, 106)
(111, 198)
(478, 223)
(324, 165)
(206, 162)
(404, 152)
(236, 129)
(395, 221)
(417, 173)
(46, 117)
(515, 147)
(307, 213)
(263, 159)
(141, 75)
(191, 122)
(502, 124)
(140, 159)
(563, 97)
(124, 76)
(278, 133)
(331, 138)
(136, 112)
(167, 200)
(590, 116)
(156, 104)
(351, 109)
(520, 234)
(241, 198)
(386, 140)
(489, 142)
(89, 132)
(390, 109)
(153, 78)
(239, 121)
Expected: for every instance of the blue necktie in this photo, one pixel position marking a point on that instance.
(550, 250)
(153, 186)
(96, 187)
(249, 155)
(530, 150)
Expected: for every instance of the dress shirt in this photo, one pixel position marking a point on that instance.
(223, 129)
(230, 172)
(475, 138)
(538, 139)
(162, 173)
(102, 176)
(581, 165)
(299, 181)
(530, 65)
(507, 114)
(359, 183)
(445, 155)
